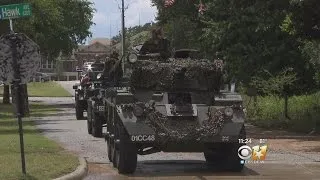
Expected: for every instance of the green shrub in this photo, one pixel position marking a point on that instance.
(304, 112)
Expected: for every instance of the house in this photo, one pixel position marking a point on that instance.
(65, 67)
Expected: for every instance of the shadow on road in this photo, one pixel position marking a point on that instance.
(11, 123)
(30, 131)
(259, 133)
(184, 168)
(61, 114)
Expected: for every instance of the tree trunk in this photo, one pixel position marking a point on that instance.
(6, 94)
(286, 106)
(255, 105)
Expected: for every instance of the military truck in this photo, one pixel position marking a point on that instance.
(83, 90)
(172, 104)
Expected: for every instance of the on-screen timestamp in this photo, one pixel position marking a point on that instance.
(244, 141)
(249, 141)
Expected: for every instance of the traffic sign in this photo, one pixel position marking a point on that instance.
(14, 11)
(27, 54)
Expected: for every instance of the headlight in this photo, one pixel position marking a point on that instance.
(228, 111)
(99, 76)
(137, 110)
(132, 58)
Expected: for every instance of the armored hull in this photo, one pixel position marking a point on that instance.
(173, 105)
(161, 124)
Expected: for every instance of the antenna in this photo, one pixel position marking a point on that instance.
(123, 32)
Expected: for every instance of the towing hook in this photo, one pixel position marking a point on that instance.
(107, 136)
(117, 143)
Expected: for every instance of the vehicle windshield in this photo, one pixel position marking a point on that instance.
(187, 53)
(97, 67)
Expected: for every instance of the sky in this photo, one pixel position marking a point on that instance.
(108, 16)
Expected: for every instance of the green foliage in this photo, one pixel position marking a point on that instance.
(132, 31)
(45, 159)
(56, 26)
(268, 113)
(274, 85)
(252, 35)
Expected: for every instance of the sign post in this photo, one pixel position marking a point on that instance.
(19, 108)
(10, 12)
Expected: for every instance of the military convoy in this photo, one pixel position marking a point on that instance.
(84, 89)
(171, 104)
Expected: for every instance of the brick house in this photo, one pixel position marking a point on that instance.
(65, 67)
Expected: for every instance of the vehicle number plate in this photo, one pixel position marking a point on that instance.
(140, 138)
(100, 108)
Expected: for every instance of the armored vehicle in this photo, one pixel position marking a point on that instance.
(172, 104)
(83, 89)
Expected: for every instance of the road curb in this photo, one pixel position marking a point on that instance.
(79, 173)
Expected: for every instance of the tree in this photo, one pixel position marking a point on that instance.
(56, 26)
(251, 35)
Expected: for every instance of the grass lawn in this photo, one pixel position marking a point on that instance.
(45, 159)
(303, 111)
(46, 89)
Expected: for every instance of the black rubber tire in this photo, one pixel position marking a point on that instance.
(126, 154)
(89, 119)
(113, 155)
(227, 156)
(109, 149)
(96, 125)
(79, 111)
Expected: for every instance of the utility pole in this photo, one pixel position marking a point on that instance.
(123, 35)
(110, 51)
(139, 19)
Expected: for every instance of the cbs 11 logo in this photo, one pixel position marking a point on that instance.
(256, 153)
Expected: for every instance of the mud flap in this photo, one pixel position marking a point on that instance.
(231, 129)
(229, 133)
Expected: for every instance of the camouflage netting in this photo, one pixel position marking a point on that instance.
(178, 74)
(181, 130)
(28, 58)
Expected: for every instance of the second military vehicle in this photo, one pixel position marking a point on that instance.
(84, 89)
(172, 105)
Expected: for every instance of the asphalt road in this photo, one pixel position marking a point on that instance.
(72, 134)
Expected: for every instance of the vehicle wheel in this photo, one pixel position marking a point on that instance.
(96, 125)
(113, 147)
(79, 111)
(126, 153)
(227, 157)
(89, 119)
(109, 150)
(113, 154)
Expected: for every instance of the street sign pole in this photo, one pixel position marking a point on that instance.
(10, 12)
(18, 104)
(17, 89)
(11, 26)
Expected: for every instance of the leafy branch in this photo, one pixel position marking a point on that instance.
(274, 84)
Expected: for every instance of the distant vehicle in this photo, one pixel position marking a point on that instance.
(40, 77)
(83, 91)
(87, 64)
